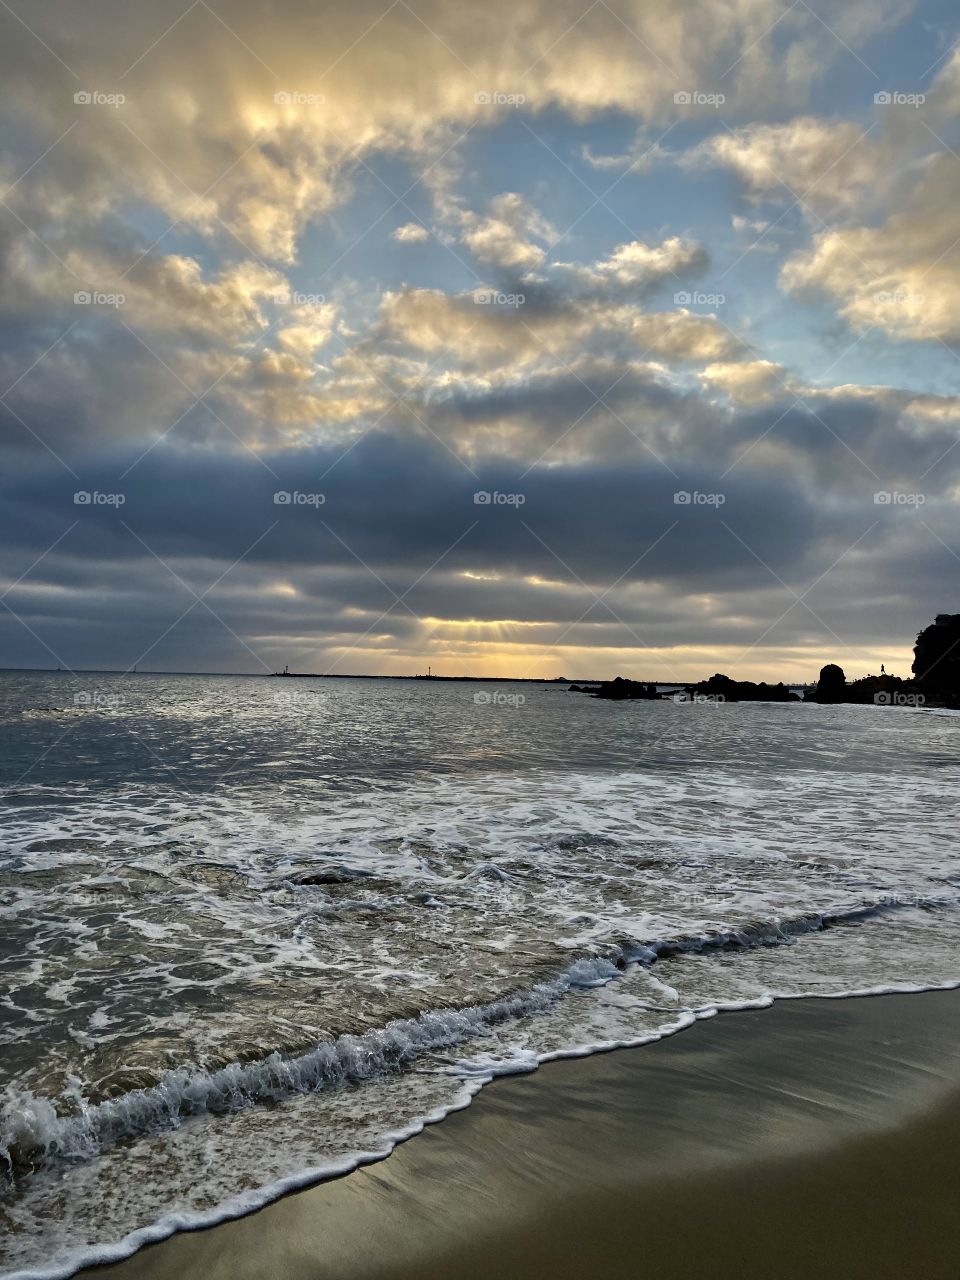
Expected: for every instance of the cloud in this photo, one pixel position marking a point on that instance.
(308, 326)
(902, 276)
(640, 267)
(252, 126)
(411, 233)
(829, 164)
(505, 236)
(482, 335)
(750, 382)
(323, 580)
(642, 156)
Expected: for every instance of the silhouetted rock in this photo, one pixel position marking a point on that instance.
(721, 688)
(936, 660)
(936, 668)
(882, 691)
(831, 687)
(621, 690)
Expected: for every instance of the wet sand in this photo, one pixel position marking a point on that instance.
(816, 1137)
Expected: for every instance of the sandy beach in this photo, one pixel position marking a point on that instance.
(814, 1137)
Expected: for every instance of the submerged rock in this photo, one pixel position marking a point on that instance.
(213, 874)
(330, 876)
(488, 871)
(586, 840)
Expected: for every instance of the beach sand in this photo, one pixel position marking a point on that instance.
(817, 1137)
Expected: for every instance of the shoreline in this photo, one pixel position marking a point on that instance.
(585, 1161)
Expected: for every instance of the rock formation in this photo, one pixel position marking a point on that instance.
(721, 688)
(882, 691)
(831, 686)
(936, 660)
(620, 690)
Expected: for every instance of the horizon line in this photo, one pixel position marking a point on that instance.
(366, 675)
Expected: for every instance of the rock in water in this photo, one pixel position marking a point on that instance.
(721, 688)
(831, 686)
(620, 690)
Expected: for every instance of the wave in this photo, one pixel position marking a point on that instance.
(33, 1132)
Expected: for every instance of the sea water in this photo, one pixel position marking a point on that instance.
(255, 931)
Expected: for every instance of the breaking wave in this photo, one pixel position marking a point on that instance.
(32, 1132)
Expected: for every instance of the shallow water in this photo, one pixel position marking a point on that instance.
(256, 929)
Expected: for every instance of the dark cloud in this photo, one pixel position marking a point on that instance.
(714, 574)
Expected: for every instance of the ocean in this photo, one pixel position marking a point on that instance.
(257, 931)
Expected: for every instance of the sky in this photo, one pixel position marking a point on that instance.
(534, 337)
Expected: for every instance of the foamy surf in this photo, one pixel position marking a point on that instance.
(32, 1131)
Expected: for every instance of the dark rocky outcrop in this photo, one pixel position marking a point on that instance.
(882, 691)
(621, 690)
(721, 688)
(936, 660)
(935, 682)
(831, 686)
(936, 674)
